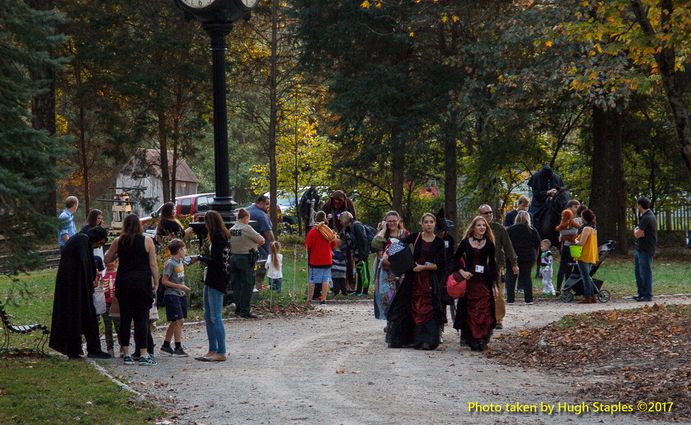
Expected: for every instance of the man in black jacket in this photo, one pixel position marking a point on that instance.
(356, 235)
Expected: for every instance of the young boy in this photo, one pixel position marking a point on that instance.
(175, 295)
(546, 267)
(338, 269)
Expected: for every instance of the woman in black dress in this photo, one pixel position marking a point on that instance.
(475, 261)
(169, 226)
(415, 313)
(135, 286)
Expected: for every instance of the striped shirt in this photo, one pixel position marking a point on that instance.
(338, 267)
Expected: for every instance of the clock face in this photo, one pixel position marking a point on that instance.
(200, 4)
(250, 3)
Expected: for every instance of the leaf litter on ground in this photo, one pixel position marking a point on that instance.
(643, 353)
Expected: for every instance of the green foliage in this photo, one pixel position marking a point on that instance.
(27, 156)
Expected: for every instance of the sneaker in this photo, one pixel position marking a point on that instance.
(528, 303)
(98, 355)
(180, 352)
(135, 357)
(322, 302)
(128, 360)
(167, 349)
(499, 326)
(147, 360)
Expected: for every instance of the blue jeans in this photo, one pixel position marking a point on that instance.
(276, 284)
(588, 284)
(215, 331)
(643, 263)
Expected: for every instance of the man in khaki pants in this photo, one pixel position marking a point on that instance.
(505, 253)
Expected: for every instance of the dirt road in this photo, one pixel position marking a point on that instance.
(334, 368)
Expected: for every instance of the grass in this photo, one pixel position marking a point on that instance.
(52, 390)
(670, 276)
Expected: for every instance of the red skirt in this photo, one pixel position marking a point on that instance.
(478, 304)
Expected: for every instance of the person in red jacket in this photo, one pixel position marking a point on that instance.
(320, 242)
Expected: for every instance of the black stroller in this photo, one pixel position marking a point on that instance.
(574, 284)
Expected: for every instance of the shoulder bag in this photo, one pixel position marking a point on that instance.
(455, 284)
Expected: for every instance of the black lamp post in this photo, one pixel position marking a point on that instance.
(217, 18)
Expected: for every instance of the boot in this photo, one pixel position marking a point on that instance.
(588, 300)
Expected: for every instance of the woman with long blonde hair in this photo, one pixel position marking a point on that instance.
(526, 242)
(475, 261)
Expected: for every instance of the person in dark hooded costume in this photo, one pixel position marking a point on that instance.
(543, 184)
(337, 204)
(74, 314)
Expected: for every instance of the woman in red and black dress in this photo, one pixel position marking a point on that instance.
(475, 261)
(415, 313)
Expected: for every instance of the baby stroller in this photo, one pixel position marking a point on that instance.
(574, 284)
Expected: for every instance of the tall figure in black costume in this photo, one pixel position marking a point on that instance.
(74, 314)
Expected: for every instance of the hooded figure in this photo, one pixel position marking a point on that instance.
(73, 308)
(337, 204)
(540, 183)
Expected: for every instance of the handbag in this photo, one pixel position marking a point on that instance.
(99, 301)
(401, 259)
(455, 284)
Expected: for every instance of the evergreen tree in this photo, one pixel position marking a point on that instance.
(26, 154)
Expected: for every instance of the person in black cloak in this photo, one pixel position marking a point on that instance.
(74, 314)
(543, 184)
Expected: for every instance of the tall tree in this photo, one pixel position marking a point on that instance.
(27, 154)
(43, 109)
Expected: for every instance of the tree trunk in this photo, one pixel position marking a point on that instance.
(397, 172)
(84, 163)
(450, 173)
(83, 148)
(671, 80)
(608, 194)
(177, 117)
(273, 112)
(43, 116)
(163, 151)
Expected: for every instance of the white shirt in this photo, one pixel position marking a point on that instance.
(271, 271)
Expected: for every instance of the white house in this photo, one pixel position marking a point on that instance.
(143, 171)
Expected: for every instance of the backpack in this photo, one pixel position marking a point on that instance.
(370, 232)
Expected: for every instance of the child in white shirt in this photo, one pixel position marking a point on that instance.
(274, 266)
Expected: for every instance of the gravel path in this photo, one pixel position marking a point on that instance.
(334, 368)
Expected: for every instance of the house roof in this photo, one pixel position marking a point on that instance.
(152, 165)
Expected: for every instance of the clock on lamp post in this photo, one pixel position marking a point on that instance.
(217, 18)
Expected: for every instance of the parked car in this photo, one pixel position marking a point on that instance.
(195, 205)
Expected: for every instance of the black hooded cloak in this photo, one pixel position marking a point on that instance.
(73, 308)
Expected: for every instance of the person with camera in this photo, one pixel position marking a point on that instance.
(244, 244)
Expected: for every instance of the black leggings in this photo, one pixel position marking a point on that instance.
(525, 281)
(564, 268)
(134, 306)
